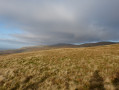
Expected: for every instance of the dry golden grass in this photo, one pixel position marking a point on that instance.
(59, 69)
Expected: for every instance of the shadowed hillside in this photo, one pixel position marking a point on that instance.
(96, 44)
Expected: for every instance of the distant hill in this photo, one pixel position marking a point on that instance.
(60, 45)
(96, 44)
(83, 45)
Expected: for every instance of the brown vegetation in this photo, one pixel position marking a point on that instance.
(60, 69)
(96, 82)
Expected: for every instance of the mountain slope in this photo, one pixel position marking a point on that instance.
(59, 69)
(96, 44)
(61, 45)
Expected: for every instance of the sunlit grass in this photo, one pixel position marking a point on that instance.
(58, 69)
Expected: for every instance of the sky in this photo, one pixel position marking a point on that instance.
(46, 22)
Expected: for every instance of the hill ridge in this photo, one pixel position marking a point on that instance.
(59, 45)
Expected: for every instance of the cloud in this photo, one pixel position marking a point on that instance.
(64, 21)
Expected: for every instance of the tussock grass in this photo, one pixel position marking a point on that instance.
(59, 69)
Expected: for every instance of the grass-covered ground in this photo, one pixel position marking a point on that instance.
(60, 69)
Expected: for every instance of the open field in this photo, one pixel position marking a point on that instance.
(56, 46)
(59, 69)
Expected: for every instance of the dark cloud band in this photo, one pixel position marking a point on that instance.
(64, 21)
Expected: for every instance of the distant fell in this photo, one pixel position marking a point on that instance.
(96, 44)
(55, 46)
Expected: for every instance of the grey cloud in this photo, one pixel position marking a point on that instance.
(15, 42)
(65, 21)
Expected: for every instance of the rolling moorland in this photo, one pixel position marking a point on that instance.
(86, 68)
(60, 45)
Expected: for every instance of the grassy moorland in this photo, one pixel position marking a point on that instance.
(61, 69)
